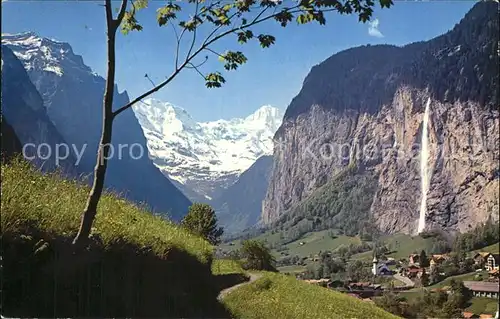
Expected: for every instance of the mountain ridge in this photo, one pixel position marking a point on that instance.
(72, 96)
(204, 158)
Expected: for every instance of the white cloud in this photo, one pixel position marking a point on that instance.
(373, 29)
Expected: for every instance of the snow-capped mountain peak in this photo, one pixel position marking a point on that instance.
(266, 113)
(202, 154)
(38, 53)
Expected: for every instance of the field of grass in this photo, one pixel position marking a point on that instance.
(494, 249)
(315, 242)
(279, 296)
(483, 305)
(226, 266)
(292, 269)
(55, 204)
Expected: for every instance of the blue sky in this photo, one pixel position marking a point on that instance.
(271, 76)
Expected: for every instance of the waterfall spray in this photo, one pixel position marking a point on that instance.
(424, 169)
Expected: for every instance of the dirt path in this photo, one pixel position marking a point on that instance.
(253, 277)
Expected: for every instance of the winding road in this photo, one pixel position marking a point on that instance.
(253, 277)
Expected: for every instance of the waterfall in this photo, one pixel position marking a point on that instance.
(424, 170)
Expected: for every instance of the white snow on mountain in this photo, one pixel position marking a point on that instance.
(43, 54)
(195, 154)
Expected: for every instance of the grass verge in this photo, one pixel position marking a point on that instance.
(279, 296)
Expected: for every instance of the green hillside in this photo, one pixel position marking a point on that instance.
(342, 203)
(280, 296)
(136, 265)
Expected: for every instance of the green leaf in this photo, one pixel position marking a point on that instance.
(269, 3)
(214, 80)
(244, 5)
(233, 59)
(129, 23)
(266, 40)
(244, 36)
(284, 17)
(305, 18)
(140, 4)
(167, 13)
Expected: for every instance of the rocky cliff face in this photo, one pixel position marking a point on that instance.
(72, 96)
(28, 123)
(364, 107)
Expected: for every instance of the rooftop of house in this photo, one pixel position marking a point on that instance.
(316, 281)
(482, 286)
(467, 314)
(483, 254)
(416, 270)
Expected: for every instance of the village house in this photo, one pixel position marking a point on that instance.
(412, 272)
(483, 288)
(414, 259)
(469, 315)
(492, 262)
(493, 274)
(437, 260)
(480, 258)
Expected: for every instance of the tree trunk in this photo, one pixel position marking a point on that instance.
(90, 211)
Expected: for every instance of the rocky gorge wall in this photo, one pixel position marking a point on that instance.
(357, 110)
(464, 157)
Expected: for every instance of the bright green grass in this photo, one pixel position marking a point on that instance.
(283, 297)
(318, 241)
(402, 246)
(54, 205)
(483, 305)
(292, 269)
(314, 242)
(226, 266)
(494, 249)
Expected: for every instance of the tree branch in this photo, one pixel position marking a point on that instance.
(214, 52)
(121, 14)
(192, 66)
(109, 14)
(197, 66)
(177, 47)
(196, 28)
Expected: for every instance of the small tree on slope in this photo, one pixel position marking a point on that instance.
(233, 18)
(257, 256)
(202, 221)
